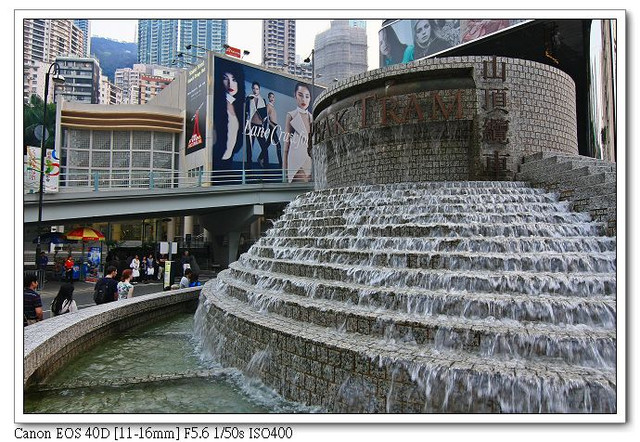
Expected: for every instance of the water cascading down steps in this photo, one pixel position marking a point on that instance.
(469, 297)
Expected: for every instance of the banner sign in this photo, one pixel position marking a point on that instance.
(196, 110)
(233, 52)
(32, 171)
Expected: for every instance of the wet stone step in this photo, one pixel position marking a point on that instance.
(419, 208)
(597, 311)
(456, 381)
(303, 203)
(424, 186)
(538, 262)
(477, 244)
(435, 217)
(486, 337)
(586, 284)
(448, 230)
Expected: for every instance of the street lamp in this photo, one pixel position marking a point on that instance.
(59, 79)
(311, 59)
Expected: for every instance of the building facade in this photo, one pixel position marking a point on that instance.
(128, 80)
(340, 51)
(157, 41)
(109, 92)
(279, 45)
(43, 41)
(82, 79)
(85, 27)
(203, 35)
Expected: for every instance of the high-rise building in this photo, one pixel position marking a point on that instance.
(340, 51)
(85, 27)
(143, 82)
(279, 44)
(82, 79)
(128, 80)
(43, 41)
(109, 92)
(209, 34)
(157, 41)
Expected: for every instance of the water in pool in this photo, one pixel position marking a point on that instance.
(157, 369)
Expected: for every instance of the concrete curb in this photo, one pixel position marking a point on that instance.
(50, 344)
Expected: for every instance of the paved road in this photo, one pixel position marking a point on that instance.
(83, 292)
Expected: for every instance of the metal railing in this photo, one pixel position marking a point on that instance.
(114, 180)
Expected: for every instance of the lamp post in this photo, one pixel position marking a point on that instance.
(311, 59)
(57, 78)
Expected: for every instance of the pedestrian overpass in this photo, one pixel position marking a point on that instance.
(221, 209)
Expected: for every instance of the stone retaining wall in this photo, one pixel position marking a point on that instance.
(49, 345)
(316, 365)
(445, 119)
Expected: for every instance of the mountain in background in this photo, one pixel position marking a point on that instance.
(112, 54)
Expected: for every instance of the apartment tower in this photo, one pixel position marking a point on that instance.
(279, 45)
(340, 51)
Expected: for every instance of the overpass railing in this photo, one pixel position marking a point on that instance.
(114, 180)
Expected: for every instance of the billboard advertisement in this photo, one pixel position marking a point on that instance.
(196, 109)
(403, 41)
(262, 122)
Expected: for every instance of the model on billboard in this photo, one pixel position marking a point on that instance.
(274, 128)
(426, 41)
(297, 161)
(474, 29)
(256, 114)
(392, 50)
(228, 114)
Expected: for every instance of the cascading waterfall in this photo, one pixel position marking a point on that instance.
(424, 297)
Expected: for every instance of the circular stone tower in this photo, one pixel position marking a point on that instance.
(445, 119)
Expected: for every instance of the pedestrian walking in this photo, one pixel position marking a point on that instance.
(125, 288)
(32, 302)
(135, 267)
(64, 302)
(106, 289)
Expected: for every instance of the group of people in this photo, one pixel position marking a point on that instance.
(110, 288)
(62, 303)
(146, 269)
(252, 116)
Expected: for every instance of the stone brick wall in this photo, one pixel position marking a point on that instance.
(458, 118)
(51, 344)
(318, 365)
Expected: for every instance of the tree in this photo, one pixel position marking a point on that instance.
(33, 114)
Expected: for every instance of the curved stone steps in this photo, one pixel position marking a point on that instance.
(431, 187)
(440, 380)
(420, 208)
(581, 284)
(479, 244)
(523, 262)
(599, 311)
(429, 218)
(444, 229)
(487, 336)
(488, 198)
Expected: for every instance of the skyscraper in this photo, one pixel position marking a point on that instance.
(209, 34)
(85, 27)
(43, 41)
(340, 51)
(279, 44)
(157, 41)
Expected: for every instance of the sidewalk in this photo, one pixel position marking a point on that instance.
(51, 288)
